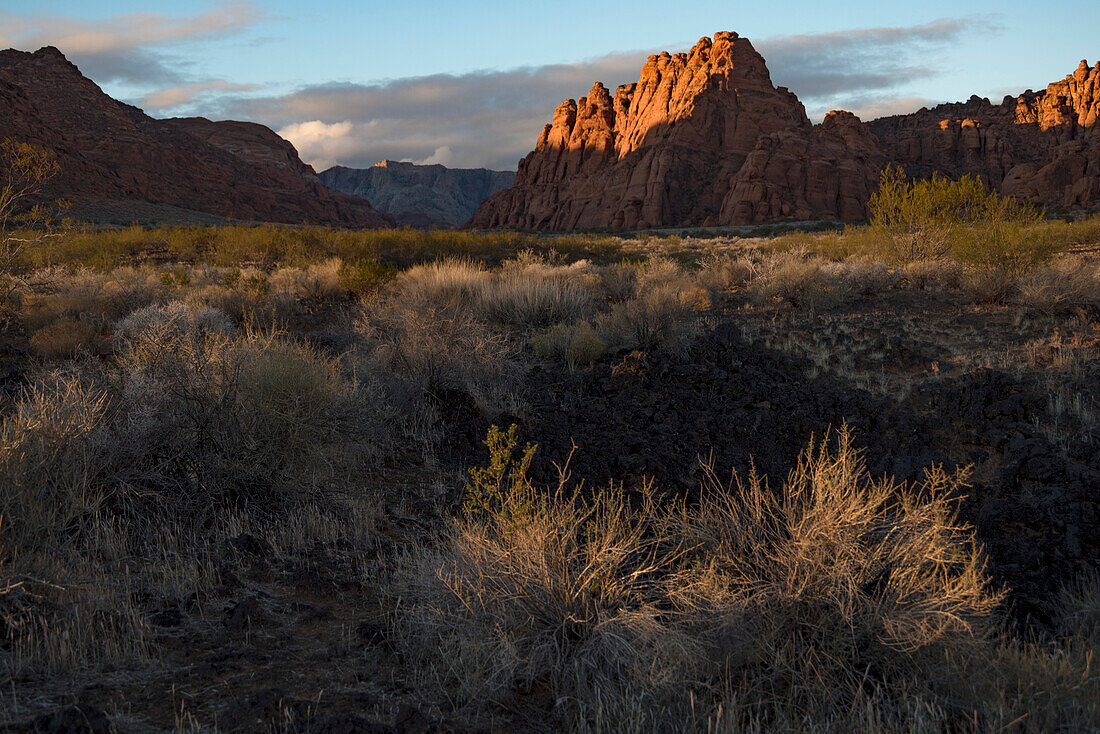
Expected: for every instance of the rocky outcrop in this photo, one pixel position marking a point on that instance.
(702, 138)
(1043, 146)
(420, 196)
(805, 174)
(115, 159)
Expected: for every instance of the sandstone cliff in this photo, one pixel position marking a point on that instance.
(116, 160)
(1043, 146)
(420, 196)
(702, 138)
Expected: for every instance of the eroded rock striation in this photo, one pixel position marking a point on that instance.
(419, 195)
(702, 138)
(116, 161)
(1043, 146)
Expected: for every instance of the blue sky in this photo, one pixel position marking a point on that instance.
(470, 83)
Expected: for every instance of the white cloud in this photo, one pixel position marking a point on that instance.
(442, 155)
(126, 32)
(319, 143)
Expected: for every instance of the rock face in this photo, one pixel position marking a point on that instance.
(115, 159)
(1043, 146)
(420, 196)
(702, 138)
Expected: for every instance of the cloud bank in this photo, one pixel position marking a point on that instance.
(127, 48)
(861, 70)
(493, 118)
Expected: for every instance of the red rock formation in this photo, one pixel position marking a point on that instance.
(1043, 146)
(802, 174)
(702, 137)
(114, 157)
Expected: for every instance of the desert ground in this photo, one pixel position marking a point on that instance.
(262, 478)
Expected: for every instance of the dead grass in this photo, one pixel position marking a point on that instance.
(168, 406)
(842, 600)
(440, 349)
(808, 283)
(535, 294)
(1071, 284)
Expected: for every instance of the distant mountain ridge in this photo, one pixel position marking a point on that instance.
(420, 195)
(117, 162)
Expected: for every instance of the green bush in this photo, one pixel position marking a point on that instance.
(933, 218)
(361, 276)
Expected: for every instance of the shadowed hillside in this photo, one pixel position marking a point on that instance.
(119, 165)
(420, 196)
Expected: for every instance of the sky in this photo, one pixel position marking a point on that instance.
(470, 84)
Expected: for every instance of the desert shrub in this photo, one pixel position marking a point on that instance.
(216, 419)
(1066, 286)
(58, 295)
(800, 282)
(128, 289)
(574, 344)
(1014, 244)
(879, 567)
(618, 281)
(361, 276)
(541, 589)
(724, 272)
(244, 424)
(234, 304)
(930, 219)
(634, 614)
(918, 218)
(853, 241)
(53, 296)
(536, 295)
(154, 334)
(451, 284)
(866, 279)
(657, 318)
(177, 277)
(1080, 608)
(50, 461)
(25, 221)
(1084, 231)
(661, 273)
(924, 274)
(67, 338)
(990, 285)
(251, 281)
(494, 488)
(441, 349)
(318, 282)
